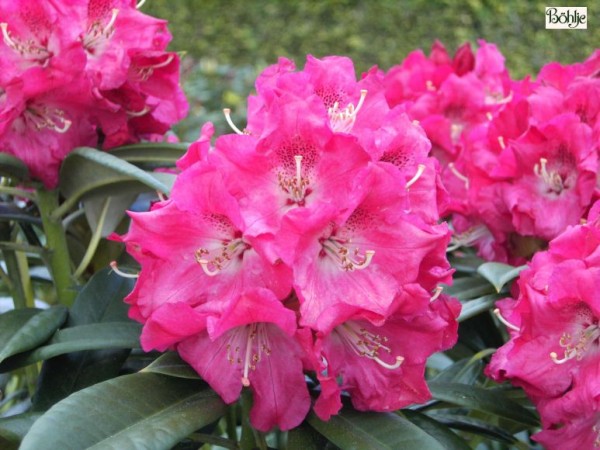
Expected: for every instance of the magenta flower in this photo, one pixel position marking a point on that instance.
(379, 365)
(252, 344)
(555, 335)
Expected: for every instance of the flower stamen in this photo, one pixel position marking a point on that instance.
(228, 251)
(413, 180)
(115, 268)
(348, 260)
(504, 321)
(551, 178)
(342, 120)
(227, 114)
(458, 174)
(577, 348)
(364, 343)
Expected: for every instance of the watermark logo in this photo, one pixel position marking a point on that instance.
(566, 18)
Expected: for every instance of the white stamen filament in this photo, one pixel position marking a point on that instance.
(115, 268)
(338, 250)
(140, 113)
(227, 114)
(6, 35)
(367, 344)
(140, 4)
(430, 86)
(225, 254)
(241, 348)
(458, 175)
(343, 120)
(436, 293)
(44, 117)
(468, 238)
(108, 29)
(298, 159)
(501, 142)
(413, 180)
(504, 321)
(551, 178)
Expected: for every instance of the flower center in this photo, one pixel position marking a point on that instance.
(364, 343)
(216, 260)
(247, 346)
(27, 49)
(578, 343)
(145, 72)
(342, 120)
(98, 33)
(296, 187)
(555, 182)
(343, 253)
(40, 117)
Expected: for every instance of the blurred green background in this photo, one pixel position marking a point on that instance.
(228, 42)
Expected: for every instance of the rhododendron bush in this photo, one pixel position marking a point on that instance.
(404, 258)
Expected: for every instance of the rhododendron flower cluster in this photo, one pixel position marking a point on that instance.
(554, 350)
(520, 157)
(82, 73)
(307, 243)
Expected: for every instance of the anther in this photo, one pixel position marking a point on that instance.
(501, 142)
(436, 293)
(504, 321)
(413, 180)
(227, 114)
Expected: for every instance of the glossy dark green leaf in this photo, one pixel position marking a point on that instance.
(96, 336)
(171, 364)
(480, 399)
(306, 438)
(115, 211)
(154, 153)
(464, 371)
(100, 301)
(474, 425)
(86, 172)
(468, 287)
(14, 428)
(13, 167)
(376, 431)
(444, 435)
(139, 411)
(471, 308)
(24, 329)
(498, 273)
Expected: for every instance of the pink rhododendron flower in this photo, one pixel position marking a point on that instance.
(315, 225)
(82, 73)
(555, 336)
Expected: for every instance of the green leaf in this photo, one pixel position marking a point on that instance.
(498, 273)
(24, 329)
(172, 365)
(148, 152)
(100, 301)
(139, 411)
(114, 215)
(449, 439)
(88, 172)
(468, 287)
(14, 428)
(96, 336)
(305, 438)
(13, 167)
(485, 400)
(475, 426)
(474, 307)
(361, 430)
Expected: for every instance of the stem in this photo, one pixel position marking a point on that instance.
(56, 242)
(94, 241)
(231, 421)
(251, 438)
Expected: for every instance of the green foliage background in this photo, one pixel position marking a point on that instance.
(228, 42)
(371, 32)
